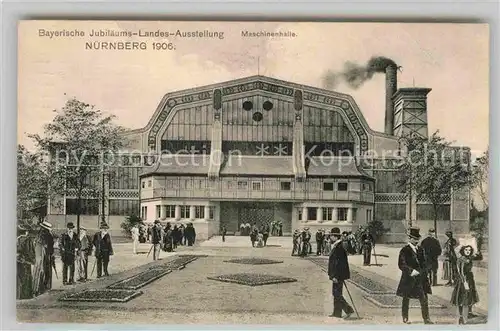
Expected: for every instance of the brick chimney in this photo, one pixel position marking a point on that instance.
(391, 86)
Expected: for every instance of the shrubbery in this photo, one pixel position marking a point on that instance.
(129, 222)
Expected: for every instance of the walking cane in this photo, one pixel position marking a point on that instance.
(352, 301)
(375, 255)
(150, 250)
(93, 268)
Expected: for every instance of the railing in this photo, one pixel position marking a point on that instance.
(224, 194)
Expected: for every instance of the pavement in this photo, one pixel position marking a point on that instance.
(187, 296)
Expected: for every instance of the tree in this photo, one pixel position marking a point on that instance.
(431, 169)
(480, 177)
(83, 142)
(129, 223)
(32, 185)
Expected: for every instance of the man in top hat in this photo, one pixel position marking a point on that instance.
(414, 283)
(44, 259)
(338, 272)
(432, 250)
(103, 250)
(156, 239)
(83, 254)
(68, 247)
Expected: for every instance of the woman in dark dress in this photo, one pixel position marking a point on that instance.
(464, 294)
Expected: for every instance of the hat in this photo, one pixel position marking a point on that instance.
(70, 225)
(157, 221)
(414, 233)
(432, 230)
(46, 225)
(335, 231)
(82, 228)
(448, 232)
(104, 226)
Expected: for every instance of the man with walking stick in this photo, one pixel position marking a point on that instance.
(103, 250)
(69, 246)
(414, 282)
(338, 272)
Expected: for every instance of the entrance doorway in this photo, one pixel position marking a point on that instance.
(233, 214)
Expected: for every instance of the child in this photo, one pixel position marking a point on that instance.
(465, 294)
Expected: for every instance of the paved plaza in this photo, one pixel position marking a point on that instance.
(187, 295)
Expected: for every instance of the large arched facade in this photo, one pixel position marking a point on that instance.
(259, 149)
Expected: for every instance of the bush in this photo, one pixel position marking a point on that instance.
(129, 222)
(377, 229)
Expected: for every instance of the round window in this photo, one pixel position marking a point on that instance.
(268, 105)
(257, 117)
(247, 105)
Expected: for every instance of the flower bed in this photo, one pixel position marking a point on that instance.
(393, 301)
(369, 285)
(253, 261)
(364, 283)
(177, 263)
(101, 295)
(252, 279)
(139, 280)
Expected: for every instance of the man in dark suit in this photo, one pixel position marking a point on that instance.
(320, 236)
(414, 282)
(68, 247)
(103, 250)
(156, 239)
(432, 250)
(367, 242)
(338, 272)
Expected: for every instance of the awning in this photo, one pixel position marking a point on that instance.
(333, 166)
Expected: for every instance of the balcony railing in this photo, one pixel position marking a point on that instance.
(279, 195)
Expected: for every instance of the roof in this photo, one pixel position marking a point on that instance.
(334, 166)
(239, 165)
(185, 164)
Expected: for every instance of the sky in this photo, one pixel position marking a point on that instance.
(452, 59)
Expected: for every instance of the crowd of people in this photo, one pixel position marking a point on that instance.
(166, 238)
(273, 228)
(36, 256)
(360, 242)
(418, 265)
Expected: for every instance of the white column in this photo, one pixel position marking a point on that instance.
(192, 212)
(163, 212)
(177, 212)
(320, 215)
(207, 213)
(334, 215)
(349, 215)
(304, 214)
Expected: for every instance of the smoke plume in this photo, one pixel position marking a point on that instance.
(355, 75)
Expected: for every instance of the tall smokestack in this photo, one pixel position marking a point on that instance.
(391, 86)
